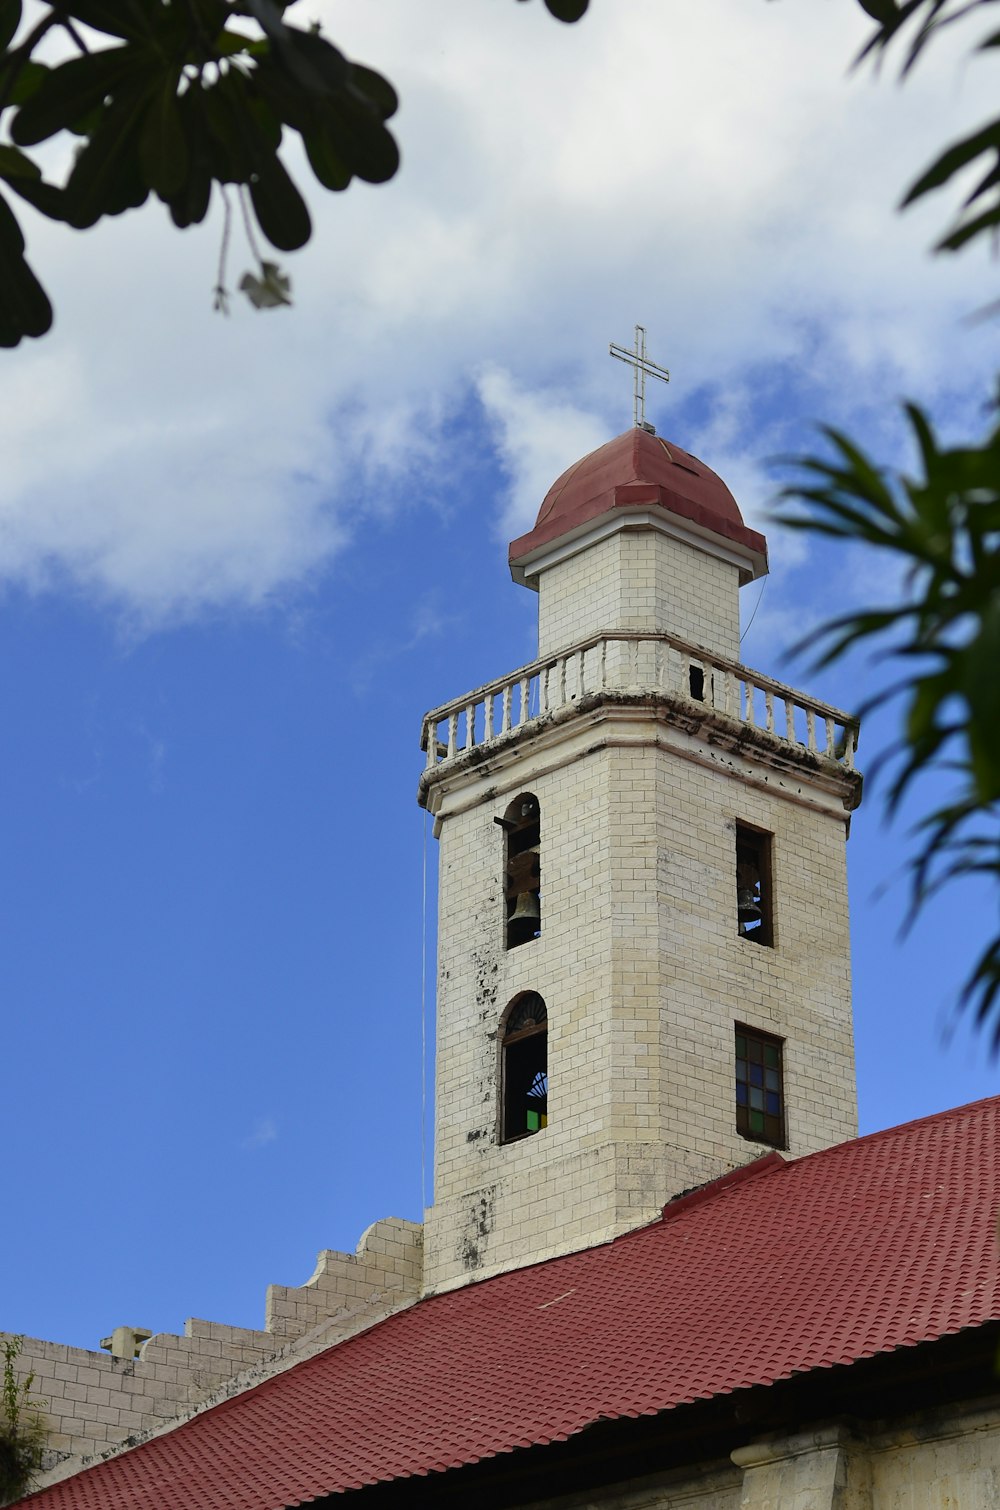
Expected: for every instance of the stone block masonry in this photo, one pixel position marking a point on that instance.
(94, 1401)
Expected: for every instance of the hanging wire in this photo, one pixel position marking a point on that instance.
(423, 1026)
(754, 614)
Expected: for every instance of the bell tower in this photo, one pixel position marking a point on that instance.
(643, 955)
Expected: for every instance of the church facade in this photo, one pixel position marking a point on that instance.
(660, 1268)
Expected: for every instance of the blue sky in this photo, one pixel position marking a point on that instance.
(239, 559)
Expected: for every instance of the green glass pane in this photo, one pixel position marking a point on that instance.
(756, 1121)
(532, 1121)
(771, 1054)
(741, 1046)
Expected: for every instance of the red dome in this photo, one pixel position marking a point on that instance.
(639, 471)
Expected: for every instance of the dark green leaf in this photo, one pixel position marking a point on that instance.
(954, 160)
(290, 103)
(14, 164)
(883, 11)
(279, 207)
(987, 221)
(189, 205)
(315, 63)
(24, 306)
(28, 79)
(325, 161)
(942, 528)
(48, 199)
(107, 178)
(567, 10)
(10, 20)
(163, 152)
(70, 91)
(129, 19)
(376, 89)
(229, 43)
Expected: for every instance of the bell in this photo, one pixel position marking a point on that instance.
(526, 909)
(747, 906)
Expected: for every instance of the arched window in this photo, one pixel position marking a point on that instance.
(522, 884)
(524, 1068)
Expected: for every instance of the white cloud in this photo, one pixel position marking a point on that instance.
(704, 166)
(537, 437)
(265, 1131)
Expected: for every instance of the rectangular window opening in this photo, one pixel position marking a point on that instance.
(760, 1088)
(754, 888)
(525, 1086)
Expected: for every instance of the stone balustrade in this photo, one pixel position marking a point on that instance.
(640, 664)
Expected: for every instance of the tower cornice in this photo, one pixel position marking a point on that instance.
(633, 688)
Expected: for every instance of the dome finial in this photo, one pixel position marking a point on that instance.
(638, 361)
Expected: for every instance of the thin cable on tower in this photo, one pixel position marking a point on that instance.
(423, 1026)
(755, 608)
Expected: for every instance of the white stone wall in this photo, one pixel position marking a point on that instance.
(93, 1401)
(942, 1460)
(947, 1460)
(643, 974)
(713, 1487)
(641, 580)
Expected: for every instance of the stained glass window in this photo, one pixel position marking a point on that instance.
(524, 1068)
(760, 1095)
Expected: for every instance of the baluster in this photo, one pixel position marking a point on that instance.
(470, 726)
(562, 680)
(634, 660)
(748, 710)
(728, 693)
(789, 720)
(850, 744)
(658, 665)
(452, 734)
(685, 686)
(811, 730)
(769, 711)
(523, 710)
(505, 713)
(831, 740)
(430, 735)
(581, 674)
(604, 664)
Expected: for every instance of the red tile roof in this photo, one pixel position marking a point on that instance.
(639, 471)
(876, 1244)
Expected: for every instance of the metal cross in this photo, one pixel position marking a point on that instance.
(638, 361)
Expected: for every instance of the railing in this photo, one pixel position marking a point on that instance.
(638, 663)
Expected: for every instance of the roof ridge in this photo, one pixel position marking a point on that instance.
(763, 1165)
(947, 1114)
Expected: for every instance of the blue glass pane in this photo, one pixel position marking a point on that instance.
(757, 1099)
(756, 1074)
(772, 1103)
(771, 1079)
(741, 1095)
